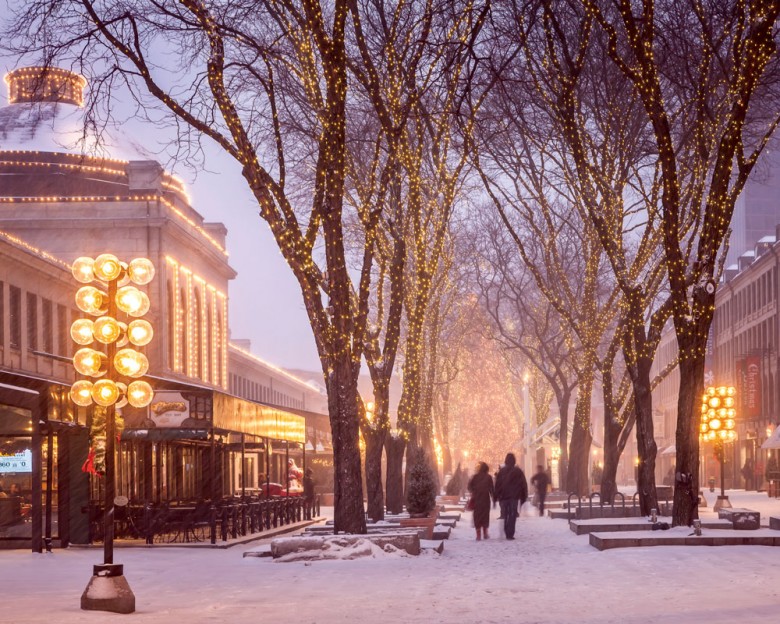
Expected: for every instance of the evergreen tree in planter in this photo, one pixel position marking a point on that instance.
(421, 491)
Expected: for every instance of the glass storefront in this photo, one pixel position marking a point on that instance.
(15, 473)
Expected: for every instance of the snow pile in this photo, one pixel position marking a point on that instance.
(343, 550)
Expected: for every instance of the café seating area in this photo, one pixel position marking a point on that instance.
(204, 521)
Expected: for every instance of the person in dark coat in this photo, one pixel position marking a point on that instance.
(308, 493)
(481, 488)
(511, 489)
(540, 481)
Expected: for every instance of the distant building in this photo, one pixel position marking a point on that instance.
(757, 209)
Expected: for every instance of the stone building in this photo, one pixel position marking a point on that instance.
(62, 198)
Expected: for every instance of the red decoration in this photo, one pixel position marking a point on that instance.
(89, 465)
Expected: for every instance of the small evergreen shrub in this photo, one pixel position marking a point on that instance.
(421, 492)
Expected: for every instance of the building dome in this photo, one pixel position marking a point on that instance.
(45, 114)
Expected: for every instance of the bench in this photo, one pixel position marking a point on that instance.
(742, 519)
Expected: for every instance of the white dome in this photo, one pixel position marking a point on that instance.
(39, 119)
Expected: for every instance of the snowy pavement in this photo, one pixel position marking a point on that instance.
(548, 574)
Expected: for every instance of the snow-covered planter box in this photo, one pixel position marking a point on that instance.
(343, 546)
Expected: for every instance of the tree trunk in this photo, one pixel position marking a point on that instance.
(579, 456)
(347, 484)
(375, 440)
(686, 490)
(394, 481)
(645, 440)
(563, 440)
(612, 429)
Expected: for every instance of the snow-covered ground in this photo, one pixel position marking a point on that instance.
(547, 574)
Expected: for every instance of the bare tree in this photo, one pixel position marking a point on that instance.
(524, 322)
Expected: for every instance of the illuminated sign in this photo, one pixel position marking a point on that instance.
(20, 462)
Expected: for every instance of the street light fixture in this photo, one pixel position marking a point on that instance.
(717, 425)
(110, 370)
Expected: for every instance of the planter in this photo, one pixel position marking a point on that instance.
(420, 523)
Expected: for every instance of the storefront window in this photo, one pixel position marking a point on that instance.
(15, 472)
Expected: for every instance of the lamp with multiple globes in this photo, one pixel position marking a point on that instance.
(718, 416)
(114, 369)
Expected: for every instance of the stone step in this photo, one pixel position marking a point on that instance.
(612, 525)
(435, 545)
(682, 536)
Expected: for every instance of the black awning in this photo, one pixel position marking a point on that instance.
(164, 434)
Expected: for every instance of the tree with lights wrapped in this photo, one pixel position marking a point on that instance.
(267, 82)
(709, 112)
(582, 103)
(398, 63)
(415, 87)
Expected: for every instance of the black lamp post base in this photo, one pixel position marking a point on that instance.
(108, 590)
(722, 503)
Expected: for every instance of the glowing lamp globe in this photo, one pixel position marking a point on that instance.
(140, 332)
(81, 331)
(91, 300)
(81, 393)
(122, 400)
(140, 271)
(107, 267)
(90, 363)
(105, 392)
(82, 269)
(132, 301)
(107, 329)
(131, 363)
(715, 423)
(139, 394)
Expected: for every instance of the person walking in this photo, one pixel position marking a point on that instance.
(308, 494)
(511, 489)
(482, 492)
(540, 481)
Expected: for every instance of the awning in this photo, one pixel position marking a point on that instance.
(773, 441)
(670, 450)
(164, 434)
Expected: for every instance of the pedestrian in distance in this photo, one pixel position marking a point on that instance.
(511, 489)
(308, 493)
(482, 493)
(540, 481)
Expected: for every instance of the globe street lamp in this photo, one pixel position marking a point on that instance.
(110, 367)
(717, 426)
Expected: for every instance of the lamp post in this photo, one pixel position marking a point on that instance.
(528, 462)
(717, 426)
(116, 368)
